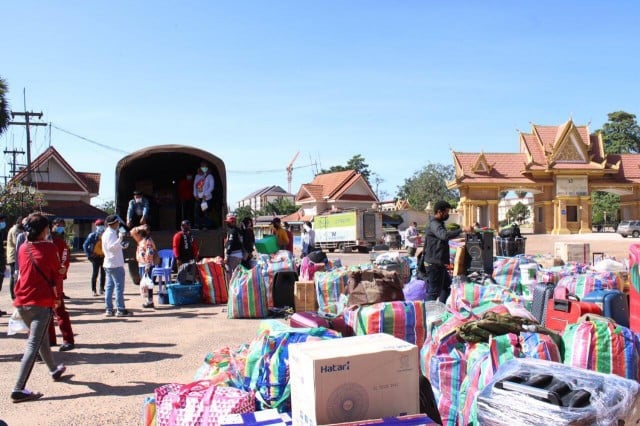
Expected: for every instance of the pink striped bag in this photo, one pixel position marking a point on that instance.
(473, 295)
(506, 272)
(582, 284)
(199, 403)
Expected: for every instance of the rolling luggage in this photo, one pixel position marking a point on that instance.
(563, 309)
(283, 289)
(315, 319)
(614, 305)
(542, 293)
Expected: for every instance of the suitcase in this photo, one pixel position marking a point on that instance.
(614, 304)
(542, 293)
(561, 312)
(284, 288)
(316, 319)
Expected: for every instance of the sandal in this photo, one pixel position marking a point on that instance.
(24, 396)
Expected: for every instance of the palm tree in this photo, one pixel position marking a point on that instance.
(5, 113)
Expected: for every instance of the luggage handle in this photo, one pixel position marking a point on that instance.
(542, 394)
(561, 305)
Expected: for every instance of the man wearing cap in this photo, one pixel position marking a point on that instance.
(114, 266)
(138, 210)
(233, 247)
(281, 235)
(436, 252)
(185, 247)
(93, 249)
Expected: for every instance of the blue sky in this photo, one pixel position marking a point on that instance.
(399, 82)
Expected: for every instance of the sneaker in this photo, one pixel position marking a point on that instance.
(148, 305)
(24, 396)
(124, 313)
(108, 313)
(95, 294)
(67, 347)
(57, 374)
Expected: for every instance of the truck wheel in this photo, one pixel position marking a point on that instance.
(331, 250)
(347, 249)
(363, 249)
(635, 234)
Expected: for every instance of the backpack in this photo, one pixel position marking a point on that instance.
(97, 248)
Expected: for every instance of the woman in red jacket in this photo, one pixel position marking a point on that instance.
(36, 296)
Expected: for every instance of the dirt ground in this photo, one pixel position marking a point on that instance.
(118, 361)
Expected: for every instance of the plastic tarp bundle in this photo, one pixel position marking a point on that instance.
(613, 400)
(583, 284)
(247, 294)
(330, 289)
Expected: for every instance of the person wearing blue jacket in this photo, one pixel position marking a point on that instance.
(137, 211)
(93, 249)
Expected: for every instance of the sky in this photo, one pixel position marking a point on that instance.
(401, 83)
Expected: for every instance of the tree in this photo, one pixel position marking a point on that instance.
(429, 185)
(604, 205)
(109, 207)
(5, 113)
(244, 212)
(519, 212)
(18, 200)
(621, 134)
(279, 207)
(355, 163)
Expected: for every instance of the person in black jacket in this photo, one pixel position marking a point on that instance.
(436, 252)
(233, 248)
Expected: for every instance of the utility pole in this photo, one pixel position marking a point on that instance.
(14, 165)
(27, 115)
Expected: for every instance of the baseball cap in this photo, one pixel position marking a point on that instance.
(136, 192)
(99, 222)
(112, 218)
(185, 222)
(230, 218)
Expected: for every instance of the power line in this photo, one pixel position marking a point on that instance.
(89, 140)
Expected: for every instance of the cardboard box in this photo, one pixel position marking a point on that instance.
(305, 298)
(573, 252)
(353, 378)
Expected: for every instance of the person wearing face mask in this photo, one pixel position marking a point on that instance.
(203, 186)
(60, 312)
(185, 247)
(436, 252)
(92, 247)
(137, 211)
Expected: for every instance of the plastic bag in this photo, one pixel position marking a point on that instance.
(204, 206)
(16, 324)
(146, 282)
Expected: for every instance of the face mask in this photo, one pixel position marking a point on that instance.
(59, 229)
(204, 169)
(137, 199)
(100, 228)
(3, 225)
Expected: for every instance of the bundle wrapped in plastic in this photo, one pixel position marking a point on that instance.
(532, 392)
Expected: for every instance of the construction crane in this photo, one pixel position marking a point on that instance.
(290, 170)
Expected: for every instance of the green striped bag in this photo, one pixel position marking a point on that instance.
(599, 344)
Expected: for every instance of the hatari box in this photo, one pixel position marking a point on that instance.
(353, 378)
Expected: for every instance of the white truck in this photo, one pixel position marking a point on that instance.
(345, 231)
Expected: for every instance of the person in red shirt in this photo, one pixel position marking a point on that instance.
(60, 312)
(36, 296)
(185, 196)
(185, 247)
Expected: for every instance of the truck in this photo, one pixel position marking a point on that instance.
(156, 171)
(348, 230)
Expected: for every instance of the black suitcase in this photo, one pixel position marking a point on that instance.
(283, 289)
(542, 292)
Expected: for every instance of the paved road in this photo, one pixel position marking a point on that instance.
(119, 361)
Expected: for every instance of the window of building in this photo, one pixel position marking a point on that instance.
(572, 213)
(540, 214)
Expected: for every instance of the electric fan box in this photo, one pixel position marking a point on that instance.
(353, 378)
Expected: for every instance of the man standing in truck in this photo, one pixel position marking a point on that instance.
(203, 186)
(138, 210)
